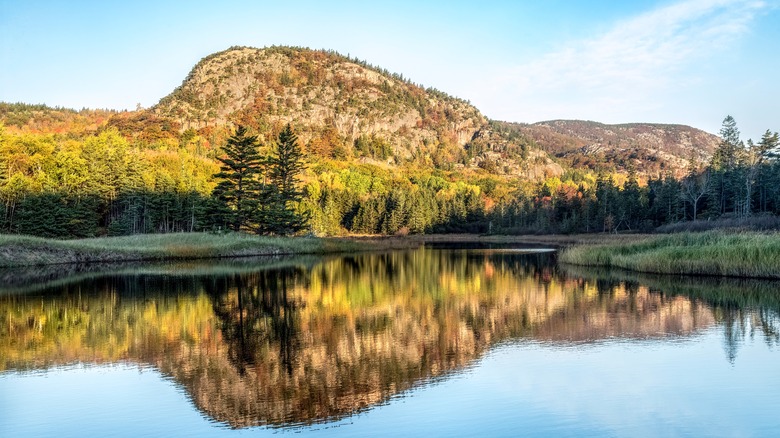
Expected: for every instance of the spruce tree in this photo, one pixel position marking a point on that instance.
(725, 161)
(767, 177)
(239, 192)
(629, 201)
(41, 215)
(284, 168)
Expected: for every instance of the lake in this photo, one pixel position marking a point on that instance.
(435, 341)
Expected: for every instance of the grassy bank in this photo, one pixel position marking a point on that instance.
(18, 250)
(711, 253)
(28, 251)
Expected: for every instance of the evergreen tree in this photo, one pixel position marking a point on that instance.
(726, 179)
(396, 211)
(41, 215)
(727, 153)
(57, 215)
(284, 168)
(767, 177)
(630, 206)
(240, 190)
(665, 200)
(82, 216)
(606, 194)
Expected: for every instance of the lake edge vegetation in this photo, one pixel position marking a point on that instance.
(709, 253)
(17, 251)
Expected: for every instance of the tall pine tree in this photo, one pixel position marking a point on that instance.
(239, 192)
(725, 160)
(284, 168)
(768, 177)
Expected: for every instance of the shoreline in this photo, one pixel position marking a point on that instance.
(711, 253)
(25, 251)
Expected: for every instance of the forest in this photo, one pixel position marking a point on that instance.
(130, 174)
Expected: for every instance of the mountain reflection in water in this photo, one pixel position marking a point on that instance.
(311, 341)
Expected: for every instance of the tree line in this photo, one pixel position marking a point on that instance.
(104, 184)
(741, 181)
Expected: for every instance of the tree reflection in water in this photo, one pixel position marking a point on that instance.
(307, 342)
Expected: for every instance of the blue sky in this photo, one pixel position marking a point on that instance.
(686, 61)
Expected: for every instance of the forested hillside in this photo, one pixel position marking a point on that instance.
(42, 119)
(378, 154)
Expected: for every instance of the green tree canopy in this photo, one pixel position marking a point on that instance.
(240, 188)
(284, 168)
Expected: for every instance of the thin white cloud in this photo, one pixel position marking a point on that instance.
(620, 71)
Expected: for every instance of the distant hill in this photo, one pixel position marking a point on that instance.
(652, 149)
(44, 119)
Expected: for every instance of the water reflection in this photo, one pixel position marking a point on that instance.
(304, 340)
(745, 308)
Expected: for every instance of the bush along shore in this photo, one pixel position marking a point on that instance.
(29, 251)
(755, 255)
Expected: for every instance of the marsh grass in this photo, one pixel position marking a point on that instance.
(26, 251)
(16, 250)
(748, 254)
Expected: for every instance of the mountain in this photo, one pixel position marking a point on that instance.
(343, 107)
(651, 149)
(382, 155)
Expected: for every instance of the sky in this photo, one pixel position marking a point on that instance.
(691, 62)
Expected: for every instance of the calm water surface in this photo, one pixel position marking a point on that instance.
(442, 342)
